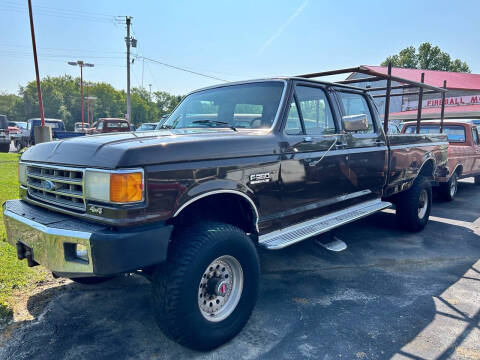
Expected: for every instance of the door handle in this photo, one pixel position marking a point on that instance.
(340, 145)
(379, 142)
(307, 139)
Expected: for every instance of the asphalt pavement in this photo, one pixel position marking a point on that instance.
(391, 294)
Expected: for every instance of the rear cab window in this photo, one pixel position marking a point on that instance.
(455, 133)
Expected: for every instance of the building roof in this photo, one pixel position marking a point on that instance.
(455, 80)
(465, 111)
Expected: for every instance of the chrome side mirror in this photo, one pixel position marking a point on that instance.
(355, 122)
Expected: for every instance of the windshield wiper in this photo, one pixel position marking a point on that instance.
(216, 122)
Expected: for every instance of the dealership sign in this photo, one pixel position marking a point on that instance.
(436, 103)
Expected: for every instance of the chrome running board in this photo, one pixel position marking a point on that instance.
(290, 235)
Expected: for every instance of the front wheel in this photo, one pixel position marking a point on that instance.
(414, 205)
(204, 294)
(449, 189)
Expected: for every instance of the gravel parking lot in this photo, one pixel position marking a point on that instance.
(391, 294)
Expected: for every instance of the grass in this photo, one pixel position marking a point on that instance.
(15, 275)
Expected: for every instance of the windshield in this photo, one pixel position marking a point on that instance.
(455, 133)
(249, 106)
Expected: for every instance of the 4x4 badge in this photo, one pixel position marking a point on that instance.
(96, 210)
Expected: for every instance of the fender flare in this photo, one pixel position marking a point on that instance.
(222, 191)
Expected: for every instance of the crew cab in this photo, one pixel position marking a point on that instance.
(263, 163)
(463, 152)
(109, 125)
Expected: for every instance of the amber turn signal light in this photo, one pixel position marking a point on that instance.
(126, 187)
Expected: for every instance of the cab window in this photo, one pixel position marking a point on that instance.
(314, 116)
(475, 136)
(100, 125)
(315, 109)
(293, 126)
(356, 104)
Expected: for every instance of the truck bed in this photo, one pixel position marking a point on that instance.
(408, 153)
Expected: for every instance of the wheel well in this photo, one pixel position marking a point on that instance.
(459, 170)
(229, 208)
(427, 169)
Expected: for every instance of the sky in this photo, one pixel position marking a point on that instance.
(229, 40)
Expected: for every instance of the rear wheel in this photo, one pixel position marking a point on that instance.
(205, 292)
(449, 189)
(414, 205)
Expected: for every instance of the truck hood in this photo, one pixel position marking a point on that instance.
(134, 149)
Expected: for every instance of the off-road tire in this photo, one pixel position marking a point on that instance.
(448, 190)
(477, 180)
(407, 207)
(4, 148)
(175, 285)
(93, 280)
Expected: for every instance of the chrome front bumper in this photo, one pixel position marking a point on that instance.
(51, 239)
(47, 237)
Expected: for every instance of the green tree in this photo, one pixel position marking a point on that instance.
(12, 106)
(427, 57)
(166, 102)
(61, 100)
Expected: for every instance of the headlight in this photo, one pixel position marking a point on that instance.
(124, 186)
(22, 173)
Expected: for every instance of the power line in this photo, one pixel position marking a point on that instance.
(60, 13)
(182, 69)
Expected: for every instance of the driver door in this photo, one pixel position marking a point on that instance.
(314, 168)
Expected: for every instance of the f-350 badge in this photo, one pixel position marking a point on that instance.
(260, 178)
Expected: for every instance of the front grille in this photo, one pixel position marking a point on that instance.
(56, 185)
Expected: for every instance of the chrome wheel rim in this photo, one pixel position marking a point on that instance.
(422, 204)
(453, 187)
(220, 288)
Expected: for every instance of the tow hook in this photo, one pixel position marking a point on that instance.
(24, 252)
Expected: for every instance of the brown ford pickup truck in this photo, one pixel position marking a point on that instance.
(264, 163)
(463, 152)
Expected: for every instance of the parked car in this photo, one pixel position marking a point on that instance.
(57, 126)
(18, 132)
(107, 125)
(4, 134)
(463, 152)
(81, 127)
(263, 163)
(148, 126)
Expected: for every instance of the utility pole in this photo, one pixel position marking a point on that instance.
(81, 64)
(143, 68)
(128, 39)
(88, 107)
(44, 133)
(150, 89)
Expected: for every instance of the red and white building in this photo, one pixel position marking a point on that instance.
(462, 99)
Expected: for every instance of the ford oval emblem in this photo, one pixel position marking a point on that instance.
(48, 185)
